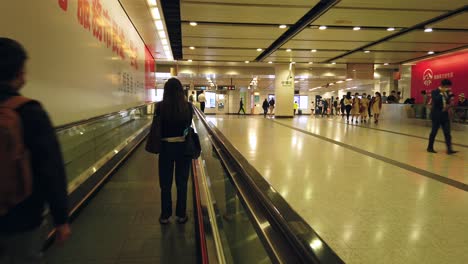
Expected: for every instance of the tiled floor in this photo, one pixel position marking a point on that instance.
(370, 209)
(120, 224)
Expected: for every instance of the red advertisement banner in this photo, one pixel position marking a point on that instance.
(427, 75)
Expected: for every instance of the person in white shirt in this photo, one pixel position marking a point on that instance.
(202, 100)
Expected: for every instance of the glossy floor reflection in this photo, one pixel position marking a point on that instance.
(368, 210)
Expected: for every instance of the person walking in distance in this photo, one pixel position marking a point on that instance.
(376, 105)
(296, 107)
(342, 106)
(440, 116)
(192, 97)
(265, 107)
(348, 102)
(272, 106)
(355, 112)
(369, 112)
(39, 171)
(202, 100)
(241, 107)
(364, 108)
(175, 117)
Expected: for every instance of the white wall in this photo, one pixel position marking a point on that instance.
(70, 71)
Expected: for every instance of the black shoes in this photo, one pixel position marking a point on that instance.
(430, 150)
(163, 221)
(451, 152)
(181, 220)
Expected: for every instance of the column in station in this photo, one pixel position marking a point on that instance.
(284, 90)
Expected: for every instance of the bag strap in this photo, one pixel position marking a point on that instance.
(15, 102)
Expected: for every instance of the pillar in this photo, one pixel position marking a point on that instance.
(284, 90)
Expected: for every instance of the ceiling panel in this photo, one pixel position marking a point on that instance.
(307, 54)
(459, 21)
(404, 4)
(306, 3)
(402, 46)
(434, 37)
(386, 55)
(354, 60)
(228, 43)
(218, 58)
(232, 31)
(341, 34)
(224, 52)
(326, 44)
(203, 11)
(378, 18)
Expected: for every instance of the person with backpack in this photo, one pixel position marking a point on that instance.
(265, 107)
(33, 171)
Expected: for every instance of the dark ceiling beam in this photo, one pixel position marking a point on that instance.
(318, 10)
(404, 31)
(171, 11)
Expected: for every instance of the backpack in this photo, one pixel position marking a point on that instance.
(16, 176)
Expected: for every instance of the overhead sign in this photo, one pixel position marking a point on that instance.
(226, 87)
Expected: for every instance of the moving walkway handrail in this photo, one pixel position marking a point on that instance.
(286, 235)
(96, 118)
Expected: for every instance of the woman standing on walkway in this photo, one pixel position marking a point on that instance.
(364, 108)
(348, 102)
(376, 106)
(356, 109)
(175, 116)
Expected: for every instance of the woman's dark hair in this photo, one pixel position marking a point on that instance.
(378, 94)
(174, 105)
(348, 95)
(12, 59)
(446, 82)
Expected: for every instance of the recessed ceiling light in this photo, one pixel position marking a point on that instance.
(283, 26)
(288, 50)
(159, 25)
(428, 30)
(152, 2)
(189, 60)
(333, 63)
(192, 48)
(270, 62)
(356, 28)
(247, 61)
(193, 24)
(391, 29)
(385, 64)
(314, 50)
(311, 62)
(155, 13)
(431, 52)
(367, 51)
(323, 27)
(293, 62)
(349, 79)
(259, 49)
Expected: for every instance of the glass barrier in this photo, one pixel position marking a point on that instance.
(87, 146)
(239, 239)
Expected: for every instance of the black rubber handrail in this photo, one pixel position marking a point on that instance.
(299, 241)
(93, 119)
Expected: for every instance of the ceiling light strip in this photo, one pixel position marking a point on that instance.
(404, 31)
(318, 10)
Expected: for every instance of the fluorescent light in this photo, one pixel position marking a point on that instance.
(323, 27)
(431, 52)
(189, 60)
(259, 49)
(310, 62)
(162, 34)
(339, 82)
(193, 24)
(247, 61)
(333, 63)
(152, 2)
(155, 13)
(391, 29)
(159, 25)
(283, 26)
(270, 62)
(288, 50)
(331, 84)
(192, 48)
(385, 64)
(314, 50)
(164, 41)
(428, 30)
(349, 79)
(356, 28)
(293, 62)
(367, 51)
